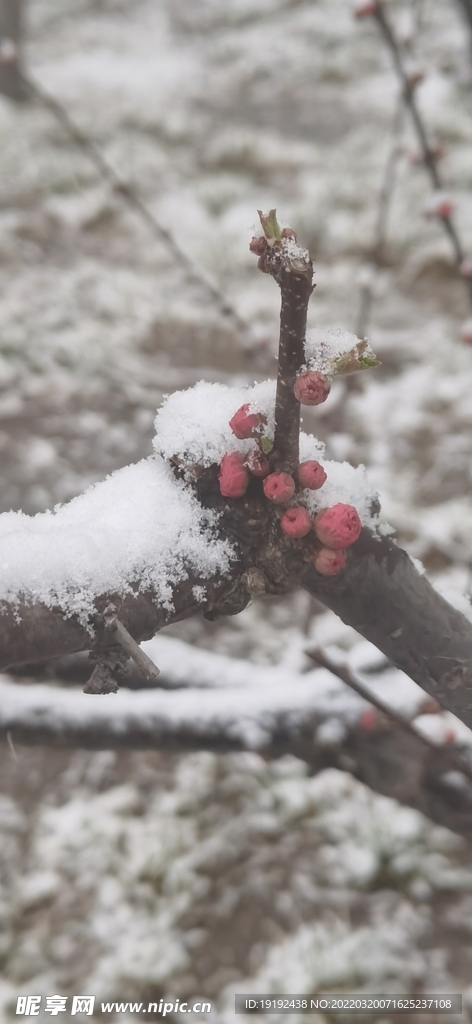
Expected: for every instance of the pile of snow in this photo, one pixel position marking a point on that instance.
(140, 528)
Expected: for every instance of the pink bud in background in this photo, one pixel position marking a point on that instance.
(466, 268)
(244, 423)
(311, 474)
(311, 388)
(365, 8)
(8, 51)
(439, 205)
(279, 487)
(257, 463)
(296, 522)
(329, 562)
(338, 527)
(233, 477)
(466, 332)
(368, 719)
(429, 706)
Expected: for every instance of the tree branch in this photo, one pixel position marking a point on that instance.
(294, 718)
(428, 154)
(292, 269)
(383, 596)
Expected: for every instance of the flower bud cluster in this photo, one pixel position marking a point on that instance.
(335, 528)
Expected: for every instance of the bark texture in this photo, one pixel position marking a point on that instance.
(383, 596)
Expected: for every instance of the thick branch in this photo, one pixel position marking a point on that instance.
(382, 595)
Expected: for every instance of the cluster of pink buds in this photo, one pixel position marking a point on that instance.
(335, 528)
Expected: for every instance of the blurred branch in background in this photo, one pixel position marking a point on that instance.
(466, 7)
(131, 197)
(11, 32)
(230, 705)
(429, 152)
(383, 209)
(19, 86)
(439, 206)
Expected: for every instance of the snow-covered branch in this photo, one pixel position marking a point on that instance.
(232, 705)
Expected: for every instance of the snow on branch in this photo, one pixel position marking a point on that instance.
(244, 707)
(140, 529)
(226, 511)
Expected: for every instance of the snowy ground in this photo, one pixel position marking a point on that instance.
(136, 876)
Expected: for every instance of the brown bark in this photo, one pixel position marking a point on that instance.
(295, 292)
(383, 596)
(380, 593)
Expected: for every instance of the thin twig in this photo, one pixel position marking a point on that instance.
(292, 269)
(131, 197)
(343, 673)
(428, 154)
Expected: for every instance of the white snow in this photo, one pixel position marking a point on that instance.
(138, 528)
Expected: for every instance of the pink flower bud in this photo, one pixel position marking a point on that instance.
(338, 527)
(296, 522)
(257, 463)
(329, 562)
(279, 487)
(311, 388)
(439, 205)
(365, 8)
(233, 477)
(245, 423)
(311, 474)
(258, 245)
(466, 332)
(368, 720)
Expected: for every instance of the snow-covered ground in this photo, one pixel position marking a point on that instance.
(139, 876)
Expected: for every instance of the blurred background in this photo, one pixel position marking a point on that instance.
(145, 875)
